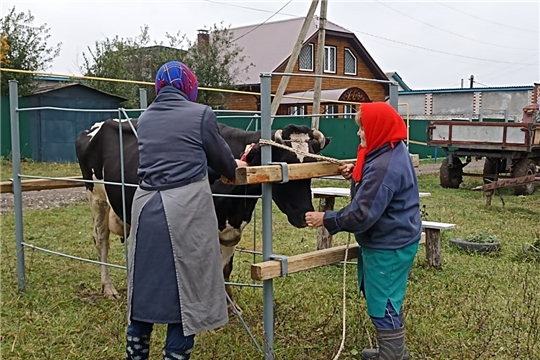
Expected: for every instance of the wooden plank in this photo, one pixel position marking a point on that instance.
(342, 192)
(41, 184)
(437, 225)
(433, 247)
(272, 173)
(272, 269)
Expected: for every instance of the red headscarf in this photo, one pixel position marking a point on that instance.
(382, 125)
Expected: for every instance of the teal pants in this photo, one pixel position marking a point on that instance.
(382, 277)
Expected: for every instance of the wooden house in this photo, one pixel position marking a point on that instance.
(269, 46)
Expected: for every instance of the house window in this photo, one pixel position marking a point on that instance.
(330, 109)
(350, 63)
(297, 110)
(350, 110)
(330, 59)
(306, 58)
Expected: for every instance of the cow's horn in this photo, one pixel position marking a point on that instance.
(277, 136)
(319, 136)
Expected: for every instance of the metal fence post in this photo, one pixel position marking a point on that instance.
(17, 190)
(266, 157)
(393, 95)
(143, 100)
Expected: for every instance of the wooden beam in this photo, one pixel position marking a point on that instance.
(272, 173)
(41, 184)
(272, 269)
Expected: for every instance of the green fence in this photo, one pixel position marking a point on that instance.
(343, 131)
(5, 129)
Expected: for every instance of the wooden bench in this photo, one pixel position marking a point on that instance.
(433, 241)
(327, 196)
(289, 265)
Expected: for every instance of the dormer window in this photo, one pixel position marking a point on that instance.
(306, 58)
(350, 62)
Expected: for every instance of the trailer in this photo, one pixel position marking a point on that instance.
(510, 149)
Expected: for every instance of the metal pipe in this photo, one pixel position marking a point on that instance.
(266, 157)
(17, 187)
(123, 184)
(393, 100)
(331, 77)
(143, 99)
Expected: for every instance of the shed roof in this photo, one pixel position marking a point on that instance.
(467, 90)
(55, 87)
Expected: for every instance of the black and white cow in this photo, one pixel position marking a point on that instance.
(98, 152)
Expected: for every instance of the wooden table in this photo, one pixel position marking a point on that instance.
(327, 196)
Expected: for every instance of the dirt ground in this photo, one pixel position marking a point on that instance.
(45, 199)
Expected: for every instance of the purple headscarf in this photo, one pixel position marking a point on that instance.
(175, 73)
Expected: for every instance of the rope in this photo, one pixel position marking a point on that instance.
(300, 152)
(338, 162)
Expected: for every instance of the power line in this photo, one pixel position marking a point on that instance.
(264, 22)
(479, 18)
(381, 37)
(447, 31)
(440, 52)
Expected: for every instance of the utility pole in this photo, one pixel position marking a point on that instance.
(319, 65)
(294, 57)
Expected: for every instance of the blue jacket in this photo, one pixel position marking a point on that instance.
(385, 210)
(178, 141)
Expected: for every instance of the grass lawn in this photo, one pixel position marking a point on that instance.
(475, 307)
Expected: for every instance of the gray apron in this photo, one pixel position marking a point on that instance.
(174, 272)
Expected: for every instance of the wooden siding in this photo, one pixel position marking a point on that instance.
(374, 90)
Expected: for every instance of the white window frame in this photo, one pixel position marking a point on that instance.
(330, 110)
(311, 46)
(327, 57)
(299, 110)
(349, 110)
(355, 62)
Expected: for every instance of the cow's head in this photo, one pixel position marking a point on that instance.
(293, 198)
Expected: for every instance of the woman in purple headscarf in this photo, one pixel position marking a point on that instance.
(174, 262)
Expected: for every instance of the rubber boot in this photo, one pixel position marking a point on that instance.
(170, 355)
(137, 347)
(373, 354)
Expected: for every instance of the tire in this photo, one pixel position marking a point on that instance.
(524, 167)
(471, 247)
(451, 177)
(491, 170)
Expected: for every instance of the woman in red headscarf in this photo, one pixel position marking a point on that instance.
(384, 216)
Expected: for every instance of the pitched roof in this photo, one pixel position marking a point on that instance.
(269, 45)
(49, 88)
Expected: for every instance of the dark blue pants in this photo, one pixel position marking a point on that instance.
(176, 342)
(390, 321)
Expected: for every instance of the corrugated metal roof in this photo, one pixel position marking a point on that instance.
(329, 94)
(270, 44)
(466, 90)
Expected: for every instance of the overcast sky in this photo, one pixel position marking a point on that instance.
(431, 44)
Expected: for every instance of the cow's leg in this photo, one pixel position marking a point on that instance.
(100, 214)
(227, 255)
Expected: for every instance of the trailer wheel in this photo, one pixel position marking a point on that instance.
(451, 177)
(524, 167)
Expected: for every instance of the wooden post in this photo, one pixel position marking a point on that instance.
(319, 66)
(324, 239)
(294, 56)
(433, 247)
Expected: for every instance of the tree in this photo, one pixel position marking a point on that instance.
(4, 47)
(133, 59)
(215, 62)
(24, 47)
